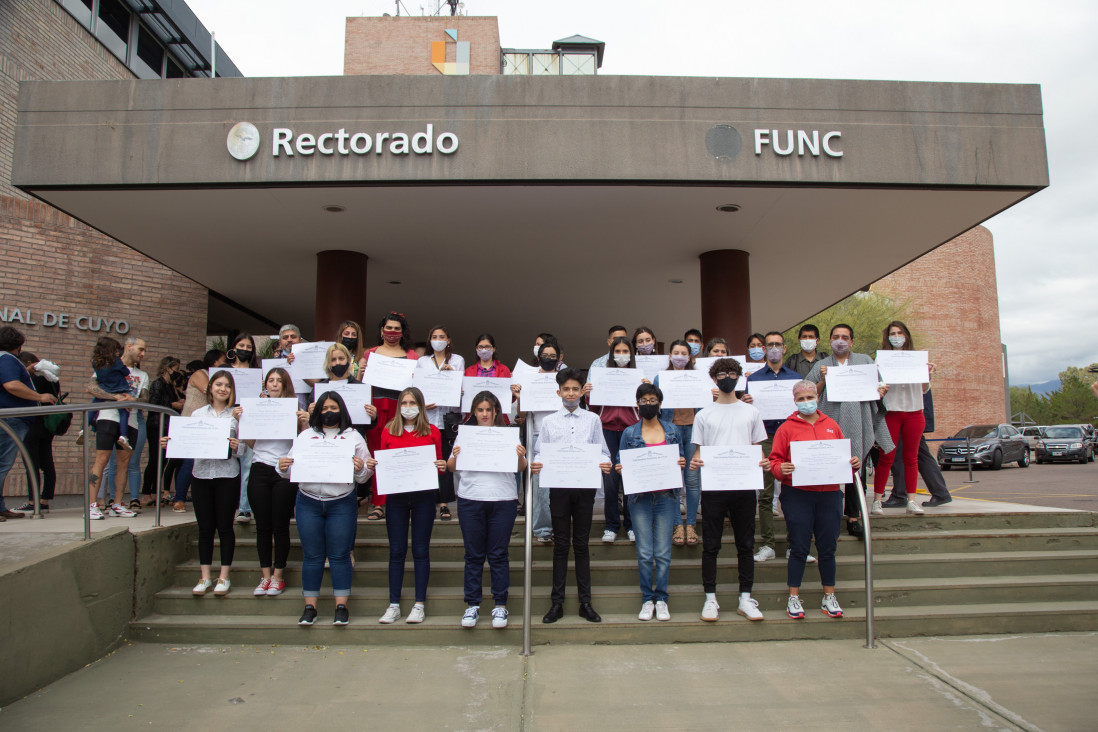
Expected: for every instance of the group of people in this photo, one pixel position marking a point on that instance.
(254, 477)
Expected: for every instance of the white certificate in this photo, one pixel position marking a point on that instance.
(473, 385)
(317, 460)
(487, 449)
(731, 468)
(903, 367)
(686, 389)
(300, 387)
(198, 437)
(268, 419)
(648, 469)
(570, 465)
(748, 369)
(386, 372)
(355, 397)
(406, 469)
(773, 399)
(821, 462)
(309, 360)
(521, 367)
(852, 383)
(614, 387)
(652, 365)
(441, 388)
(539, 392)
(248, 382)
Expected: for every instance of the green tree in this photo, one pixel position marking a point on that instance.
(1035, 406)
(867, 313)
(1073, 402)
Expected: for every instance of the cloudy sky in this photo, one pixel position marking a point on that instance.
(1046, 247)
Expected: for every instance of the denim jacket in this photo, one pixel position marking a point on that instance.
(631, 437)
(667, 414)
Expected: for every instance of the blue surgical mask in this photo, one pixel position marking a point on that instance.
(807, 408)
(756, 354)
(695, 348)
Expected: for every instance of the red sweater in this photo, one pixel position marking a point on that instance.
(796, 429)
(411, 439)
(502, 372)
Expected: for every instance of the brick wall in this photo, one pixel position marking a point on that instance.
(955, 301)
(391, 45)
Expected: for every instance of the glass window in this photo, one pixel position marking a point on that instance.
(578, 64)
(174, 71)
(516, 63)
(113, 28)
(545, 64)
(149, 53)
(79, 9)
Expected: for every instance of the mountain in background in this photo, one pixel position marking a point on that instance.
(1044, 388)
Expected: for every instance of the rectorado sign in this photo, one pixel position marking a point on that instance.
(244, 142)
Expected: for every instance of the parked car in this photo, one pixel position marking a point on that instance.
(1032, 434)
(991, 445)
(1091, 437)
(1064, 442)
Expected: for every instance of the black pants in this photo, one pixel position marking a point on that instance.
(929, 471)
(446, 492)
(215, 501)
(156, 456)
(571, 509)
(851, 509)
(39, 444)
(272, 499)
(739, 507)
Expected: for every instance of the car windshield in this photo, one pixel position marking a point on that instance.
(978, 431)
(1063, 432)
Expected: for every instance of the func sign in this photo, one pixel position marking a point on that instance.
(93, 323)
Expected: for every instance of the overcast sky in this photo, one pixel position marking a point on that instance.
(1046, 247)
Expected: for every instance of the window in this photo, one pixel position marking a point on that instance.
(578, 64)
(545, 64)
(516, 63)
(174, 71)
(79, 9)
(149, 59)
(113, 28)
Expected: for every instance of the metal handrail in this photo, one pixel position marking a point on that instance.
(870, 633)
(528, 546)
(83, 409)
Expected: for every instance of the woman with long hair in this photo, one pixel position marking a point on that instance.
(242, 355)
(683, 421)
(164, 392)
(111, 430)
(441, 357)
(349, 335)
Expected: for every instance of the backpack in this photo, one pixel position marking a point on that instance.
(58, 424)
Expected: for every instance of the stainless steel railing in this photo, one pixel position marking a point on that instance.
(528, 546)
(83, 409)
(870, 633)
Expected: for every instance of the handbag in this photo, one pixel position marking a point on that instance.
(58, 424)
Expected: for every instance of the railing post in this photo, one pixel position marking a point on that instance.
(160, 465)
(528, 542)
(870, 632)
(968, 451)
(85, 478)
(32, 474)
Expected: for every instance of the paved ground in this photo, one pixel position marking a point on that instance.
(1047, 682)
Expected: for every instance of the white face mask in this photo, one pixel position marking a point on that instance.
(409, 412)
(621, 359)
(897, 341)
(808, 344)
(536, 348)
(438, 345)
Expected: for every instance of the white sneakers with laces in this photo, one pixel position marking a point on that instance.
(794, 608)
(662, 613)
(631, 536)
(222, 587)
(648, 610)
(469, 619)
(876, 509)
(94, 513)
(499, 617)
(392, 614)
(764, 554)
(710, 610)
(830, 606)
(914, 508)
(749, 608)
(117, 509)
(609, 537)
(417, 615)
(202, 587)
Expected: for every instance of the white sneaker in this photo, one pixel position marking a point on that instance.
(469, 619)
(243, 517)
(808, 558)
(417, 615)
(262, 587)
(710, 611)
(662, 613)
(117, 509)
(202, 587)
(648, 609)
(765, 553)
(876, 509)
(392, 614)
(609, 536)
(94, 513)
(222, 587)
(830, 606)
(749, 608)
(499, 617)
(794, 608)
(632, 536)
(124, 444)
(913, 507)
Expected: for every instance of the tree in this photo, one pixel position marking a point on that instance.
(866, 312)
(1073, 402)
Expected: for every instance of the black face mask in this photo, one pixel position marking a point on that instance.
(548, 364)
(242, 355)
(176, 378)
(649, 411)
(329, 419)
(340, 368)
(349, 343)
(727, 385)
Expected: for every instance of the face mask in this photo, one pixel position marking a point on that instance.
(349, 343)
(244, 354)
(329, 419)
(409, 412)
(897, 341)
(647, 348)
(548, 364)
(392, 337)
(808, 344)
(727, 385)
(649, 411)
(570, 404)
(839, 347)
(621, 359)
(756, 353)
(807, 408)
(536, 349)
(339, 369)
(774, 355)
(680, 361)
(484, 354)
(695, 348)
(438, 346)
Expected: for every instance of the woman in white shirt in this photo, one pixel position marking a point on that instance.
(215, 489)
(441, 357)
(327, 513)
(487, 506)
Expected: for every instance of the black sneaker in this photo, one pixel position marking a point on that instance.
(895, 501)
(308, 617)
(28, 507)
(854, 528)
(342, 616)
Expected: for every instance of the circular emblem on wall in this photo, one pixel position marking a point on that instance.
(243, 140)
(723, 142)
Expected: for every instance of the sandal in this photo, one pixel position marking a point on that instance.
(444, 513)
(691, 536)
(135, 505)
(679, 537)
(376, 515)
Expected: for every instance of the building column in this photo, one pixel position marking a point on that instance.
(340, 291)
(726, 297)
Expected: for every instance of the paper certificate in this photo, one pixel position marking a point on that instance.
(821, 462)
(309, 360)
(748, 369)
(268, 419)
(521, 367)
(773, 399)
(652, 365)
(686, 389)
(406, 469)
(539, 392)
(300, 387)
(355, 397)
(902, 367)
(386, 372)
(731, 468)
(614, 387)
(441, 388)
(570, 465)
(197, 437)
(317, 460)
(248, 382)
(852, 383)
(648, 469)
(473, 385)
(487, 449)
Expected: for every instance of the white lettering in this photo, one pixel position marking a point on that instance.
(812, 143)
(365, 140)
(789, 142)
(423, 142)
(341, 141)
(63, 320)
(381, 137)
(122, 327)
(109, 324)
(827, 144)
(762, 137)
(399, 144)
(84, 318)
(327, 136)
(16, 316)
(450, 144)
(30, 318)
(48, 319)
(287, 142)
(282, 137)
(305, 143)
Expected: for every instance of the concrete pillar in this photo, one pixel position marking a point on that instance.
(340, 291)
(726, 297)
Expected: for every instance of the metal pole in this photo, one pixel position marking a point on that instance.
(87, 474)
(528, 546)
(32, 473)
(968, 451)
(160, 472)
(870, 633)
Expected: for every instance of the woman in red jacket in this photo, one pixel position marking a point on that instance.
(487, 365)
(810, 510)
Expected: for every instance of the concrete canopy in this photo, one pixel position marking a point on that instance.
(568, 204)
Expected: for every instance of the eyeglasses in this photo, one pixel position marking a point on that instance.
(726, 375)
(774, 345)
(648, 401)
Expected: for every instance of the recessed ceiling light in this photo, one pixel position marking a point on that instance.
(334, 208)
(728, 208)
(675, 282)
(394, 282)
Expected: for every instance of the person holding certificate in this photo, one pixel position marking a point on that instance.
(410, 428)
(327, 512)
(271, 495)
(215, 488)
(905, 420)
(683, 421)
(243, 356)
(349, 335)
(487, 365)
(487, 507)
(571, 508)
(810, 510)
(441, 357)
(653, 512)
(548, 362)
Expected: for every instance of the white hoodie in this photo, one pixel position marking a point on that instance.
(332, 491)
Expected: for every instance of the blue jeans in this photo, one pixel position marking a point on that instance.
(9, 452)
(617, 515)
(542, 519)
(133, 470)
(808, 514)
(245, 471)
(691, 479)
(326, 529)
(417, 508)
(653, 515)
(486, 531)
(183, 479)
